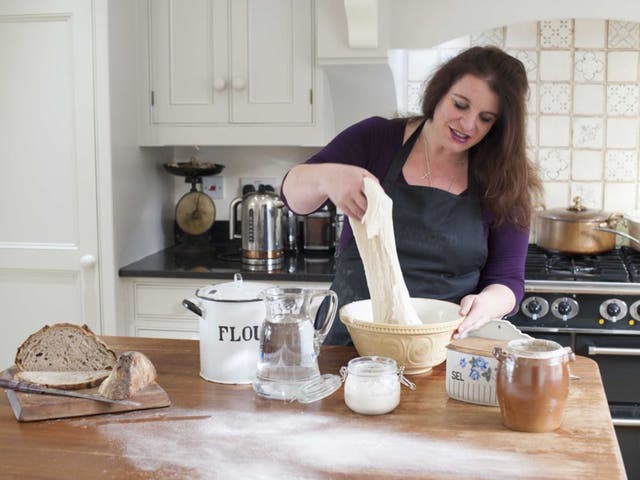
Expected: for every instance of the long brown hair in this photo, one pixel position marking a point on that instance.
(509, 182)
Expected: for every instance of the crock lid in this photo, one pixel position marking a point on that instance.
(536, 348)
(577, 212)
(236, 291)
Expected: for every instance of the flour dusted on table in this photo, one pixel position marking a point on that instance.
(376, 243)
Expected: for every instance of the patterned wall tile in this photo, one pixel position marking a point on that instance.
(554, 163)
(623, 34)
(532, 131)
(532, 98)
(619, 197)
(622, 66)
(555, 98)
(554, 130)
(586, 165)
(589, 33)
(556, 194)
(522, 35)
(622, 133)
(588, 66)
(529, 59)
(591, 193)
(587, 132)
(622, 99)
(555, 65)
(588, 99)
(621, 166)
(556, 33)
(489, 37)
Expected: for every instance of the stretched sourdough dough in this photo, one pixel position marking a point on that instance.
(376, 243)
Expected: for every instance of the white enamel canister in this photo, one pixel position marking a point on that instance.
(471, 366)
(231, 315)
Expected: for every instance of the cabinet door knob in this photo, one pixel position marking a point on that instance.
(238, 83)
(87, 261)
(219, 84)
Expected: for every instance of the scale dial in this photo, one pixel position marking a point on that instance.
(195, 213)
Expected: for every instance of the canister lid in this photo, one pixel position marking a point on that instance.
(536, 348)
(236, 291)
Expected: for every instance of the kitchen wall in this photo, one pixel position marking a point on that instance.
(583, 123)
(272, 162)
(584, 118)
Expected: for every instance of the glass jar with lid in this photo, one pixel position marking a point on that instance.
(372, 384)
(533, 384)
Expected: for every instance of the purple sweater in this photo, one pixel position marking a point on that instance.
(372, 144)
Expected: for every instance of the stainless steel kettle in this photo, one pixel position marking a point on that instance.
(261, 227)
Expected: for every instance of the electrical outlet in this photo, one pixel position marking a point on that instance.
(213, 185)
(257, 181)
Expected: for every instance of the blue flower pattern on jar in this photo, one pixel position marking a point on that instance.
(479, 368)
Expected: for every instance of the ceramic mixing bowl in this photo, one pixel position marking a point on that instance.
(416, 347)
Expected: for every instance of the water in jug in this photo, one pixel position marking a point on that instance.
(289, 341)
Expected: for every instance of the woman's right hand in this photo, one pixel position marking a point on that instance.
(344, 185)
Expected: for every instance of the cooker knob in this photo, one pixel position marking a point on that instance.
(634, 310)
(535, 307)
(613, 309)
(564, 308)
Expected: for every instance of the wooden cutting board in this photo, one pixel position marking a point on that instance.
(30, 407)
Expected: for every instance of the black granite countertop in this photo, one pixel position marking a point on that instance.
(223, 261)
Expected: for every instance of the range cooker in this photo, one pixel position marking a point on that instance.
(592, 304)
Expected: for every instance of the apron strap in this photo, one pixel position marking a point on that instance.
(400, 159)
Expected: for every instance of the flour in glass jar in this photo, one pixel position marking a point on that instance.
(263, 445)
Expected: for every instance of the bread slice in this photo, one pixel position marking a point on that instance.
(64, 380)
(64, 347)
(133, 372)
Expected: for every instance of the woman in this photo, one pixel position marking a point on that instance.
(461, 185)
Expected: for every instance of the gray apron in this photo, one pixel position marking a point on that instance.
(440, 242)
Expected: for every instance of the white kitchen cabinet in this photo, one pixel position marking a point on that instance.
(227, 72)
(155, 305)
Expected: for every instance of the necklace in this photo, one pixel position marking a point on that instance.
(427, 172)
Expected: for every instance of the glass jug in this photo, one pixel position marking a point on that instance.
(289, 342)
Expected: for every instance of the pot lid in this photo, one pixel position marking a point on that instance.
(236, 291)
(577, 212)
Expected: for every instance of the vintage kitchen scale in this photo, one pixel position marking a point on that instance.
(195, 212)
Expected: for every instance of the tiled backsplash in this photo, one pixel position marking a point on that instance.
(583, 122)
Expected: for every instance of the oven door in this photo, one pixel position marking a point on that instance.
(618, 357)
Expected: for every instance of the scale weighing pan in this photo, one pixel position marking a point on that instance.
(191, 169)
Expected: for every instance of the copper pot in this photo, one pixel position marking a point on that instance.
(576, 229)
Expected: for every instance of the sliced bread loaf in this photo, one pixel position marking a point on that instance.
(64, 347)
(64, 380)
(133, 372)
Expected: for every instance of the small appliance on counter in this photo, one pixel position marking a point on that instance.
(319, 230)
(195, 212)
(290, 230)
(261, 227)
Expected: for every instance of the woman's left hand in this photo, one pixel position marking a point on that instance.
(494, 301)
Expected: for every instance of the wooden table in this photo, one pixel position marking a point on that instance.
(225, 431)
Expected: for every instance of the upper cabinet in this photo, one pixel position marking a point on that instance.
(227, 72)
